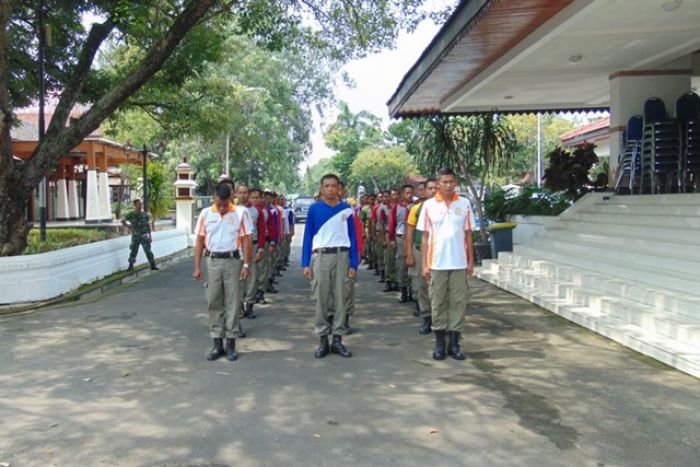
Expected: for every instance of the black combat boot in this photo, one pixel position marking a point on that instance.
(130, 268)
(241, 332)
(339, 348)
(370, 265)
(404, 295)
(217, 351)
(439, 352)
(416, 311)
(382, 276)
(348, 329)
(154, 267)
(249, 313)
(389, 287)
(411, 298)
(231, 354)
(425, 327)
(376, 270)
(323, 348)
(260, 297)
(270, 287)
(453, 349)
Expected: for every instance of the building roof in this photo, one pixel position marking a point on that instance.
(544, 55)
(591, 132)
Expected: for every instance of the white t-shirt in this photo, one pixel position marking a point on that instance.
(446, 224)
(222, 233)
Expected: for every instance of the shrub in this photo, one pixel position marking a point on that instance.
(57, 239)
(532, 201)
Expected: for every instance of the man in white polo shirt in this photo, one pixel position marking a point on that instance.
(446, 222)
(225, 230)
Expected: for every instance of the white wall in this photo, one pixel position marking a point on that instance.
(528, 227)
(47, 275)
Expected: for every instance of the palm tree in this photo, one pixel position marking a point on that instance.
(479, 146)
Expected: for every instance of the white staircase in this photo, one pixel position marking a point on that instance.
(627, 267)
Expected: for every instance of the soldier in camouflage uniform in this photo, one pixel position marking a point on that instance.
(137, 222)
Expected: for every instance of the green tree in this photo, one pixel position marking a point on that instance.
(382, 168)
(350, 134)
(525, 130)
(477, 147)
(161, 50)
(161, 190)
(313, 174)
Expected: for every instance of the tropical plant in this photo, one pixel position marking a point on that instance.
(569, 171)
(478, 147)
(381, 168)
(160, 190)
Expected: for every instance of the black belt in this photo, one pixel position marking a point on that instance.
(255, 242)
(223, 254)
(331, 250)
(399, 235)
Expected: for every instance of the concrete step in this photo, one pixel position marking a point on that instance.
(669, 324)
(650, 220)
(657, 277)
(666, 233)
(657, 200)
(692, 210)
(606, 240)
(655, 258)
(683, 356)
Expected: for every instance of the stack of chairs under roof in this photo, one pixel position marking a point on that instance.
(688, 114)
(661, 150)
(630, 162)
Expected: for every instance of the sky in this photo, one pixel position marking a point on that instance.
(376, 78)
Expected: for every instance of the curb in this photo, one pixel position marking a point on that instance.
(100, 286)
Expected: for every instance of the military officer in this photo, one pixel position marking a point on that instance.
(397, 230)
(138, 223)
(329, 239)
(251, 200)
(412, 246)
(224, 230)
(446, 222)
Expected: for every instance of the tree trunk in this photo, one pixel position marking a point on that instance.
(18, 180)
(13, 228)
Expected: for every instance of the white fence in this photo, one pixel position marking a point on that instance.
(47, 275)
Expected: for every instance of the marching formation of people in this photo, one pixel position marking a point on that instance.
(416, 240)
(247, 245)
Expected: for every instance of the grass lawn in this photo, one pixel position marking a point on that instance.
(57, 239)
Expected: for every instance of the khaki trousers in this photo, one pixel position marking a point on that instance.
(224, 296)
(264, 270)
(389, 261)
(421, 285)
(379, 251)
(401, 268)
(329, 290)
(251, 284)
(449, 296)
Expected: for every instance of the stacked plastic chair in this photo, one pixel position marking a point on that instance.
(688, 114)
(661, 149)
(630, 161)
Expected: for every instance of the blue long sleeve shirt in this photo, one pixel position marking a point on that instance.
(329, 227)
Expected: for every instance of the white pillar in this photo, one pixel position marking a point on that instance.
(62, 213)
(73, 209)
(105, 198)
(183, 216)
(629, 91)
(92, 201)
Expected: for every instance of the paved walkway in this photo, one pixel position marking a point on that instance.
(123, 381)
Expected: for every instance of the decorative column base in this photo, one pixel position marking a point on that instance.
(92, 203)
(62, 213)
(73, 210)
(105, 198)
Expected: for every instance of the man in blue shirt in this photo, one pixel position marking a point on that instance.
(330, 259)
